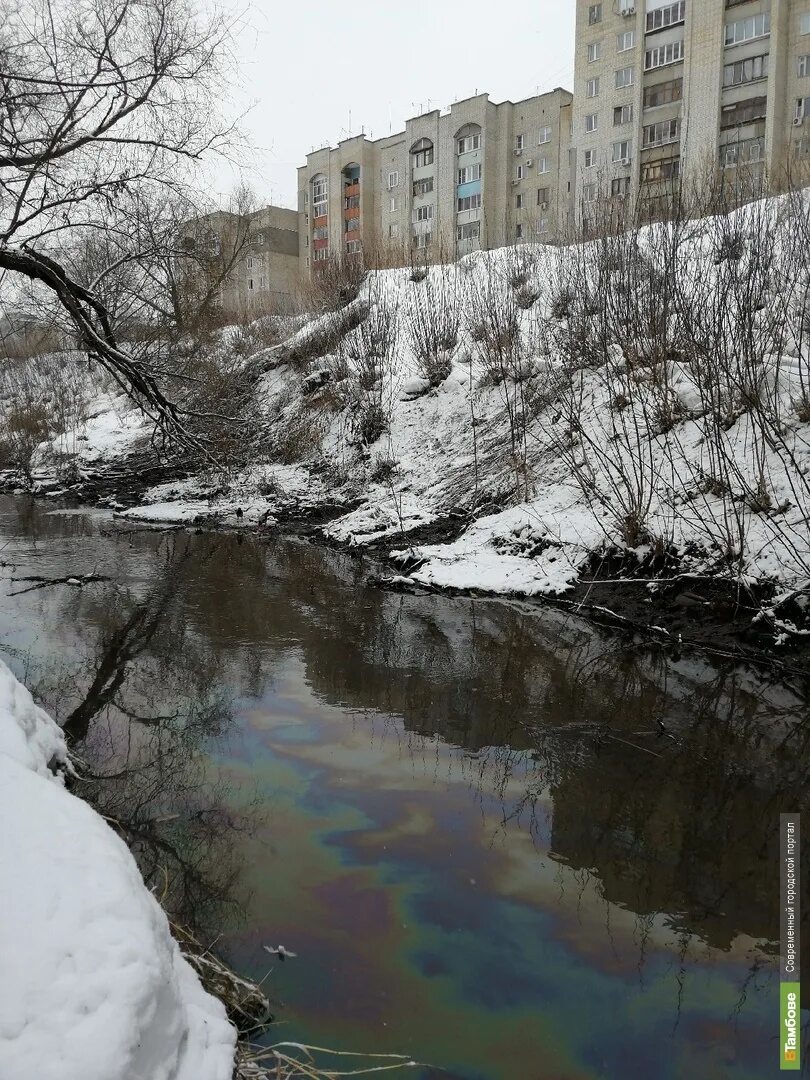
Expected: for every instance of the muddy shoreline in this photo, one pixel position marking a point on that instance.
(667, 611)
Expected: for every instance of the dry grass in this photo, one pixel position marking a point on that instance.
(295, 1061)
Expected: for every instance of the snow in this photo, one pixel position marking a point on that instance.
(94, 986)
(538, 513)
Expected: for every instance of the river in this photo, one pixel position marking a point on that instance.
(499, 840)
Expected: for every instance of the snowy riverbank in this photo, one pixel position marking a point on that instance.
(534, 421)
(94, 986)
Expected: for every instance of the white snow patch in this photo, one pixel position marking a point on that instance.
(94, 986)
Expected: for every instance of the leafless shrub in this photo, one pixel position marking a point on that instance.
(384, 469)
(371, 423)
(432, 324)
(335, 283)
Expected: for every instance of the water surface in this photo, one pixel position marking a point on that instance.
(498, 840)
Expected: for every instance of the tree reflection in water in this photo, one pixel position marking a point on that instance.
(149, 697)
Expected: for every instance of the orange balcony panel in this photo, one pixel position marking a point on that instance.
(353, 213)
(351, 189)
(320, 245)
(320, 222)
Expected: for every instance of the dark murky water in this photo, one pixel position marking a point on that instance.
(465, 819)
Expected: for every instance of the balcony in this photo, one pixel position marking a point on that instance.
(351, 189)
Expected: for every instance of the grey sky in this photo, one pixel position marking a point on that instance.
(307, 66)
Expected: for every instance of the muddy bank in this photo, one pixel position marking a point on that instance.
(654, 605)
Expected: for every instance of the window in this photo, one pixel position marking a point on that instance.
(353, 247)
(422, 152)
(754, 26)
(352, 224)
(655, 171)
(622, 114)
(257, 239)
(393, 180)
(543, 196)
(589, 159)
(663, 55)
(743, 112)
(624, 77)
(626, 40)
(422, 240)
(804, 23)
(469, 202)
(263, 283)
(591, 121)
(320, 256)
(352, 202)
(663, 93)
(393, 204)
(541, 226)
(621, 151)
(518, 232)
(545, 136)
(519, 202)
(666, 16)
(592, 88)
(594, 51)
(470, 231)
(749, 150)
(250, 283)
(804, 67)
(620, 187)
(393, 231)
(469, 173)
(320, 234)
(520, 142)
(665, 131)
(320, 196)
(802, 108)
(423, 187)
(521, 172)
(594, 14)
(249, 263)
(468, 143)
(423, 213)
(589, 193)
(746, 71)
(543, 165)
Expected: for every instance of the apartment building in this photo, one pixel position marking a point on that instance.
(478, 175)
(264, 250)
(664, 90)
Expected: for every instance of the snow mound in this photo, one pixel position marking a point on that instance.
(94, 986)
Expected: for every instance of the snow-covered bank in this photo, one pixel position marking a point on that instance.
(643, 399)
(94, 986)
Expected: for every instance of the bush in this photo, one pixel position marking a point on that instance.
(371, 424)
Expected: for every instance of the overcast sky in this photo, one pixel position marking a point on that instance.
(316, 71)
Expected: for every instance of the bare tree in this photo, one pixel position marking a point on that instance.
(104, 104)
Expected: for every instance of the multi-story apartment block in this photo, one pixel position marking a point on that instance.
(667, 90)
(260, 253)
(478, 175)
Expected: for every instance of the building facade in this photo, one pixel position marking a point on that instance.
(665, 91)
(266, 276)
(478, 175)
(255, 255)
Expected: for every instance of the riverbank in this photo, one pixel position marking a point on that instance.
(621, 427)
(654, 602)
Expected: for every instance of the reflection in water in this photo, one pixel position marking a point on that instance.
(474, 819)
